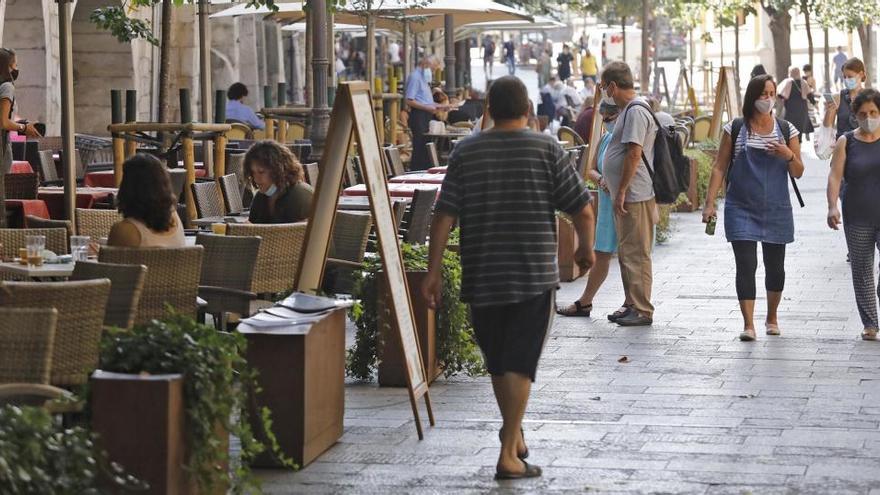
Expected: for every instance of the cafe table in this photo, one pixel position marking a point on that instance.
(44, 271)
(107, 178)
(362, 203)
(86, 197)
(428, 178)
(437, 170)
(21, 167)
(395, 190)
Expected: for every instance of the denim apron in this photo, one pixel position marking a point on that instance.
(757, 206)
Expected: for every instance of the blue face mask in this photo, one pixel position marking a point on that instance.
(850, 83)
(271, 191)
(429, 74)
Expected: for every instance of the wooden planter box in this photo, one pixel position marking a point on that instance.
(302, 380)
(693, 200)
(140, 422)
(391, 363)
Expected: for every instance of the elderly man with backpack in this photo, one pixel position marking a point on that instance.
(643, 164)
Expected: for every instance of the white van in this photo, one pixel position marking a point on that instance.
(606, 44)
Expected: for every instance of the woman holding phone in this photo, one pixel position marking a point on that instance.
(854, 78)
(757, 154)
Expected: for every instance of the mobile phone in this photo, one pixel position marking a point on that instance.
(710, 226)
(828, 97)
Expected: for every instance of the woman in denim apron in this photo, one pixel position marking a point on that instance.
(757, 164)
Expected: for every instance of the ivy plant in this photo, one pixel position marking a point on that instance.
(457, 350)
(217, 383)
(38, 456)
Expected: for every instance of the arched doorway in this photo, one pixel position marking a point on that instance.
(100, 63)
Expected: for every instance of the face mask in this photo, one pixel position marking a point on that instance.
(764, 105)
(271, 191)
(14, 74)
(609, 126)
(869, 125)
(428, 74)
(850, 83)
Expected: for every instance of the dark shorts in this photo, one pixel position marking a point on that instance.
(511, 336)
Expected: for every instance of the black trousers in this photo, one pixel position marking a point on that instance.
(418, 125)
(746, 255)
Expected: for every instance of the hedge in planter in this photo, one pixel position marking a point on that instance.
(457, 350)
(37, 456)
(217, 382)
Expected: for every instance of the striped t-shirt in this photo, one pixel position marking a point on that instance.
(505, 188)
(756, 140)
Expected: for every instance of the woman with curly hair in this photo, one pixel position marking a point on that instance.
(147, 204)
(283, 195)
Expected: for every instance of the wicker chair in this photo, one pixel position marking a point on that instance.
(570, 137)
(47, 168)
(235, 165)
(394, 164)
(81, 306)
(127, 282)
(172, 278)
(239, 130)
(352, 171)
(311, 172)
(433, 155)
(295, 130)
(208, 199)
(35, 222)
(227, 274)
(417, 219)
(279, 254)
(230, 186)
(96, 223)
(351, 231)
(21, 186)
(13, 239)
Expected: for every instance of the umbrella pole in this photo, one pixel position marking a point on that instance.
(449, 51)
(371, 50)
(407, 54)
(320, 111)
(68, 152)
(205, 78)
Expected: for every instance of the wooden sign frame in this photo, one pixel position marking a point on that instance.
(353, 118)
(726, 96)
(595, 132)
(683, 84)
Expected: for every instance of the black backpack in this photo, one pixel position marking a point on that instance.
(671, 170)
(737, 126)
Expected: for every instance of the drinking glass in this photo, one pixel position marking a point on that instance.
(79, 247)
(35, 246)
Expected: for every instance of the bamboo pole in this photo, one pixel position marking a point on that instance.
(189, 163)
(219, 156)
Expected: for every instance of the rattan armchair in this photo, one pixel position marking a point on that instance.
(351, 231)
(279, 254)
(47, 168)
(172, 278)
(127, 283)
(96, 223)
(209, 201)
(570, 136)
(28, 337)
(417, 219)
(311, 171)
(35, 222)
(227, 274)
(13, 239)
(81, 307)
(433, 155)
(394, 163)
(21, 186)
(230, 186)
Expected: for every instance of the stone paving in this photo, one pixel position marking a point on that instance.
(694, 410)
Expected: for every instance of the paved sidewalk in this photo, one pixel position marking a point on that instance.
(693, 411)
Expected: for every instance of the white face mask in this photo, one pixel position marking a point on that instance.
(764, 105)
(271, 191)
(869, 124)
(429, 74)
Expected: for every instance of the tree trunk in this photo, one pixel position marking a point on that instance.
(780, 27)
(164, 114)
(867, 51)
(645, 67)
(810, 47)
(826, 51)
(736, 48)
(623, 34)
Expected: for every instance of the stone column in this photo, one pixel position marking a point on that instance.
(449, 51)
(320, 110)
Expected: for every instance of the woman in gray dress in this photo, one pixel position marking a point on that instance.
(8, 75)
(795, 92)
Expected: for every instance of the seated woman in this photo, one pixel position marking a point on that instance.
(283, 196)
(147, 204)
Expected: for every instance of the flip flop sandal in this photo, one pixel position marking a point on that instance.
(773, 329)
(747, 336)
(579, 310)
(869, 334)
(524, 455)
(620, 313)
(530, 472)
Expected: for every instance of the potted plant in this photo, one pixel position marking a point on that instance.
(455, 349)
(216, 383)
(39, 456)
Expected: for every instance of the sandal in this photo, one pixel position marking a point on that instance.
(530, 472)
(748, 335)
(869, 334)
(575, 309)
(524, 455)
(773, 329)
(624, 311)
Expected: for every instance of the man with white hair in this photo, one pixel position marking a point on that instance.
(422, 107)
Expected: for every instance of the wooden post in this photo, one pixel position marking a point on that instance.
(189, 162)
(219, 156)
(118, 157)
(380, 118)
(394, 109)
(270, 128)
(283, 125)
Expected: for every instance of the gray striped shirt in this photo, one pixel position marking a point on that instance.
(505, 188)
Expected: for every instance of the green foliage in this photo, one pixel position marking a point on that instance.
(37, 456)
(664, 225)
(456, 348)
(217, 381)
(845, 14)
(704, 173)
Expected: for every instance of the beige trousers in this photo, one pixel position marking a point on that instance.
(635, 238)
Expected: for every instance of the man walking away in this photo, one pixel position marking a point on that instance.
(839, 59)
(421, 104)
(504, 186)
(488, 56)
(630, 184)
(510, 56)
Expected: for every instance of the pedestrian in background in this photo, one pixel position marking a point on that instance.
(839, 60)
(854, 78)
(629, 182)
(510, 56)
(757, 154)
(488, 56)
(795, 92)
(504, 186)
(544, 68)
(589, 67)
(856, 161)
(564, 60)
(237, 111)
